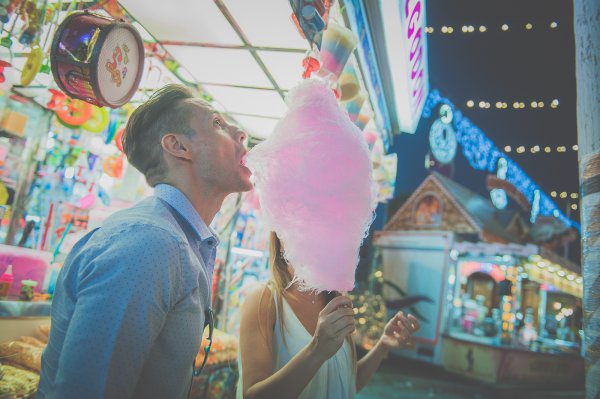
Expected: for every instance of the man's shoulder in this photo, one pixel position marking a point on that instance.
(149, 216)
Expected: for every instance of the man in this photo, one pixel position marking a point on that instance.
(131, 298)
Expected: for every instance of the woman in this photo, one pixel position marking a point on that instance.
(297, 344)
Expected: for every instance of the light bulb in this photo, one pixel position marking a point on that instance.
(505, 27)
(528, 26)
(575, 147)
(470, 103)
(553, 25)
(507, 148)
(482, 28)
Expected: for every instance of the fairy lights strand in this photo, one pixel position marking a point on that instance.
(445, 29)
(482, 104)
(538, 149)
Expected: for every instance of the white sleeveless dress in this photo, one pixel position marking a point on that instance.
(334, 380)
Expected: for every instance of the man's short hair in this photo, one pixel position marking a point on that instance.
(167, 111)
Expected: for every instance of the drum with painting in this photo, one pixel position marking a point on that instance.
(97, 59)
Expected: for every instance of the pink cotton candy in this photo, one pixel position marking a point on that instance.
(314, 179)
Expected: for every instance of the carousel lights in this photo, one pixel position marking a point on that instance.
(553, 25)
(547, 149)
(574, 207)
(520, 149)
(561, 273)
(570, 277)
(574, 195)
(507, 148)
(575, 147)
(563, 194)
(553, 194)
(528, 26)
(482, 28)
(557, 305)
(470, 103)
(504, 27)
(482, 154)
(579, 280)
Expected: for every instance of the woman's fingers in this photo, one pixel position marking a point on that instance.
(339, 313)
(342, 323)
(338, 301)
(347, 330)
(415, 325)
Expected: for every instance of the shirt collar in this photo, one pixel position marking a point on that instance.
(174, 197)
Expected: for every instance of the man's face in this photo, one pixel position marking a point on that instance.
(219, 152)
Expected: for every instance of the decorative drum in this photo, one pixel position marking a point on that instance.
(97, 59)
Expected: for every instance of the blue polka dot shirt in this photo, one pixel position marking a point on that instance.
(129, 305)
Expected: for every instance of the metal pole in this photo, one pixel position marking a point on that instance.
(587, 56)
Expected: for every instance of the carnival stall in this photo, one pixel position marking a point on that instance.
(495, 307)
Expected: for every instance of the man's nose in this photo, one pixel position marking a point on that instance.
(240, 135)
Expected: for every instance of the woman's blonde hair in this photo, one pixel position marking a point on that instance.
(280, 280)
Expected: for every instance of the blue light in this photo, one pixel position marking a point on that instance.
(482, 154)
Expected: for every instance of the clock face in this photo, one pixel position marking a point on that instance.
(442, 140)
(499, 198)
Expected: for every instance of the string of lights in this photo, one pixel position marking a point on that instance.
(564, 194)
(537, 149)
(482, 28)
(482, 154)
(515, 105)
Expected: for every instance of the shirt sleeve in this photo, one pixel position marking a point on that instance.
(124, 293)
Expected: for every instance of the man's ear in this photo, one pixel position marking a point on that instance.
(177, 145)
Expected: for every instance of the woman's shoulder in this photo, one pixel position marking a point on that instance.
(260, 297)
(259, 306)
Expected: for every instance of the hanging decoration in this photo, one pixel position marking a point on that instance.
(97, 59)
(98, 121)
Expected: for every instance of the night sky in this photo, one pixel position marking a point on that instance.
(507, 66)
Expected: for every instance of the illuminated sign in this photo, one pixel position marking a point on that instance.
(406, 44)
(358, 22)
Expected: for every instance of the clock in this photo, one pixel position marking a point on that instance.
(499, 198)
(442, 140)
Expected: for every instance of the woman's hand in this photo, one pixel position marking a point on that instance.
(335, 322)
(398, 331)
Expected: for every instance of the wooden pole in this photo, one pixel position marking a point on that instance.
(587, 60)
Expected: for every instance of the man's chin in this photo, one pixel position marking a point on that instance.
(246, 185)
